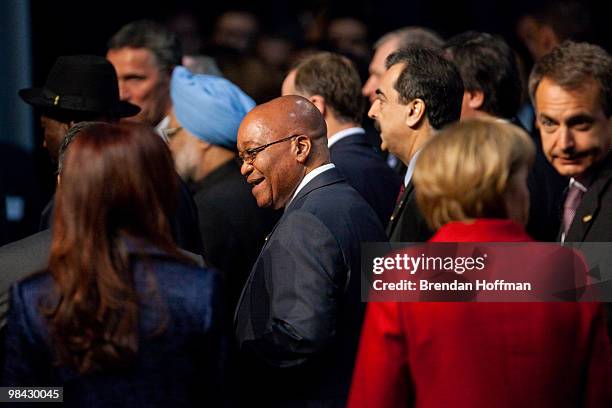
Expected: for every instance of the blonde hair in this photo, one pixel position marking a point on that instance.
(464, 171)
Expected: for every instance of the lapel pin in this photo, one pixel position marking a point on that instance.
(56, 101)
(587, 218)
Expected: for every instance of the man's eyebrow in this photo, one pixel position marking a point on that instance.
(134, 76)
(248, 146)
(580, 118)
(545, 116)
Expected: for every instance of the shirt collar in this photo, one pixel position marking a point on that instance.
(579, 185)
(307, 178)
(161, 126)
(410, 169)
(344, 133)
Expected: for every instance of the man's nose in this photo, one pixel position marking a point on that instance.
(373, 110)
(369, 87)
(124, 91)
(246, 169)
(566, 139)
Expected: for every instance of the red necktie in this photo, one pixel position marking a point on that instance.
(401, 192)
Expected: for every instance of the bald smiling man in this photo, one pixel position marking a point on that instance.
(299, 316)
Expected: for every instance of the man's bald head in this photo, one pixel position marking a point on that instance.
(290, 114)
(293, 135)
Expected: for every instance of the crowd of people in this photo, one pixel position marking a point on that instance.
(204, 243)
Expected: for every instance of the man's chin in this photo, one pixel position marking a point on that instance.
(262, 202)
(571, 170)
(131, 119)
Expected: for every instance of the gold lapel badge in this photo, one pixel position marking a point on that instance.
(56, 100)
(587, 218)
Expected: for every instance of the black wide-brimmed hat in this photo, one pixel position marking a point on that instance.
(80, 83)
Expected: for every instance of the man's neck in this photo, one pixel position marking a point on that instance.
(420, 137)
(315, 165)
(167, 113)
(334, 126)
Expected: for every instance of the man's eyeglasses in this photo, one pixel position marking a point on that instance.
(249, 155)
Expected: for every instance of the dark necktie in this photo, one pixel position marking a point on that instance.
(572, 201)
(401, 192)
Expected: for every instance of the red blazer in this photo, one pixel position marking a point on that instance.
(482, 354)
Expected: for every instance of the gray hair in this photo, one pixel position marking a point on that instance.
(570, 64)
(152, 36)
(413, 35)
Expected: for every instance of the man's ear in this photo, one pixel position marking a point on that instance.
(319, 102)
(65, 127)
(301, 148)
(415, 111)
(475, 99)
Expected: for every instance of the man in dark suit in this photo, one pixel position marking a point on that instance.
(84, 88)
(571, 89)
(418, 94)
(493, 89)
(332, 84)
(572, 93)
(299, 316)
(383, 47)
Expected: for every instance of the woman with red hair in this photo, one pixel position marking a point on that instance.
(121, 317)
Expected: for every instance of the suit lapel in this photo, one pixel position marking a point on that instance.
(250, 278)
(589, 207)
(587, 211)
(326, 178)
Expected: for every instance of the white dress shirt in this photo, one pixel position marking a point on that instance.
(344, 133)
(307, 178)
(410, 169)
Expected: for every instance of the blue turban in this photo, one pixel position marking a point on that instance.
(208, 106)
